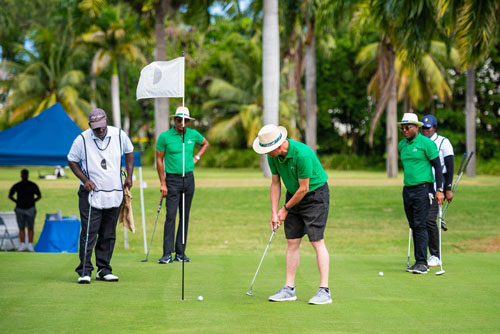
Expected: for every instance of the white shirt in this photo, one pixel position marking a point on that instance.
(101, 161)
(444, 147)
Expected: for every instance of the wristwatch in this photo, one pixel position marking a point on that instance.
(197, 157)
(286, 208)
(439, 189)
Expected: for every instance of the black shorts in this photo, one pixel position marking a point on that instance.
(309, 216)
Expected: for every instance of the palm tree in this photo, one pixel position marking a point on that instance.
(270, 68)
(405, 29)
(305, 23)
(475, 26)
(49, 75)
(113, 34)
(417, 85)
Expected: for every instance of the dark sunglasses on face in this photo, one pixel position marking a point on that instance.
(407, 127)
(426, 128)
(179, 120)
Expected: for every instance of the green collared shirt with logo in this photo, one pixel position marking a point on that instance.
(416, 155)
(300, 163)
(170, 142)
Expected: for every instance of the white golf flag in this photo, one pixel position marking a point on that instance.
(162, 79)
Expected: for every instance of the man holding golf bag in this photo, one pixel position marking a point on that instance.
(169, 165)
(446, 157)
(418, 155)
(306, 206)
(95, 158)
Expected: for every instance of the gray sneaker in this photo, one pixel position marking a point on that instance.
(321, 297)
(283, 295)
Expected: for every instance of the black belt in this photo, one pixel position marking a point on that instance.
(417, 186)
(180, 175)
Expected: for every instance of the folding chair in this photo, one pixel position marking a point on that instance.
(6, 235)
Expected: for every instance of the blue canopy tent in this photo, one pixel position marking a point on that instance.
(45, 140)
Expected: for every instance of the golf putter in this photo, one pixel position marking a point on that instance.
(441, 272)
(409, 246)
(154, 228)
(250, 293)
(87, 236)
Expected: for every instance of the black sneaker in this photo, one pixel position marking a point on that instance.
(410, 269)
(180, 258)
(165, 259)
(420, 269)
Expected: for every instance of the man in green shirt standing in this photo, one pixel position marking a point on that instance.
(169, 164)
(306, 206)
(418, 155)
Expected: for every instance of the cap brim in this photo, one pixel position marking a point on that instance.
(263, 150)
(99, 124)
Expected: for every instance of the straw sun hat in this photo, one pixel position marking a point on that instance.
(269, 138)
(410, 118)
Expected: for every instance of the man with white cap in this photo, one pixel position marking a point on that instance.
(96, 159)
(446, 156)
(305, 210)
(418, 155)
(169, 164)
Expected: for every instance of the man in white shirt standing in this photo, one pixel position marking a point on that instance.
(95, 158)
(446, 157)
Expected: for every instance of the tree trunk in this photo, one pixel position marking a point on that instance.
(161, 104)
(93, 87)
(270, 69)
(470, 120)
(299, 71)
(115, 99)
(311, 107)
(391, 126)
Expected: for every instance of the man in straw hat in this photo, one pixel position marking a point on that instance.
(418, 155)
(169, 164)
(306, 206)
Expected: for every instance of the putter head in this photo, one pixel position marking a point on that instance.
(144, 260)
(250, 293)
(439, 273)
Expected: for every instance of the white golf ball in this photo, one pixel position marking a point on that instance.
(381, 274)
(200, 298)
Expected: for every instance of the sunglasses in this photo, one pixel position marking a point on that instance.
(407, 127)
(179, 120)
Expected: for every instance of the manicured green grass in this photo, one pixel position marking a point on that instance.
(39, 295)
(367, 232)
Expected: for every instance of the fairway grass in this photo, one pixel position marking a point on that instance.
(40, 295)
(367, 232)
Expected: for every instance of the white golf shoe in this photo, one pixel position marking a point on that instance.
(22, 247)
(84, 280)
(434, 261)
(106, 278)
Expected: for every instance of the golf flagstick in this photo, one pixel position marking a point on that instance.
(171, 84)
(183, 196)
(440, 252)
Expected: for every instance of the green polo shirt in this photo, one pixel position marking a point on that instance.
(300, 163)
(170, 142)
(416, 155)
